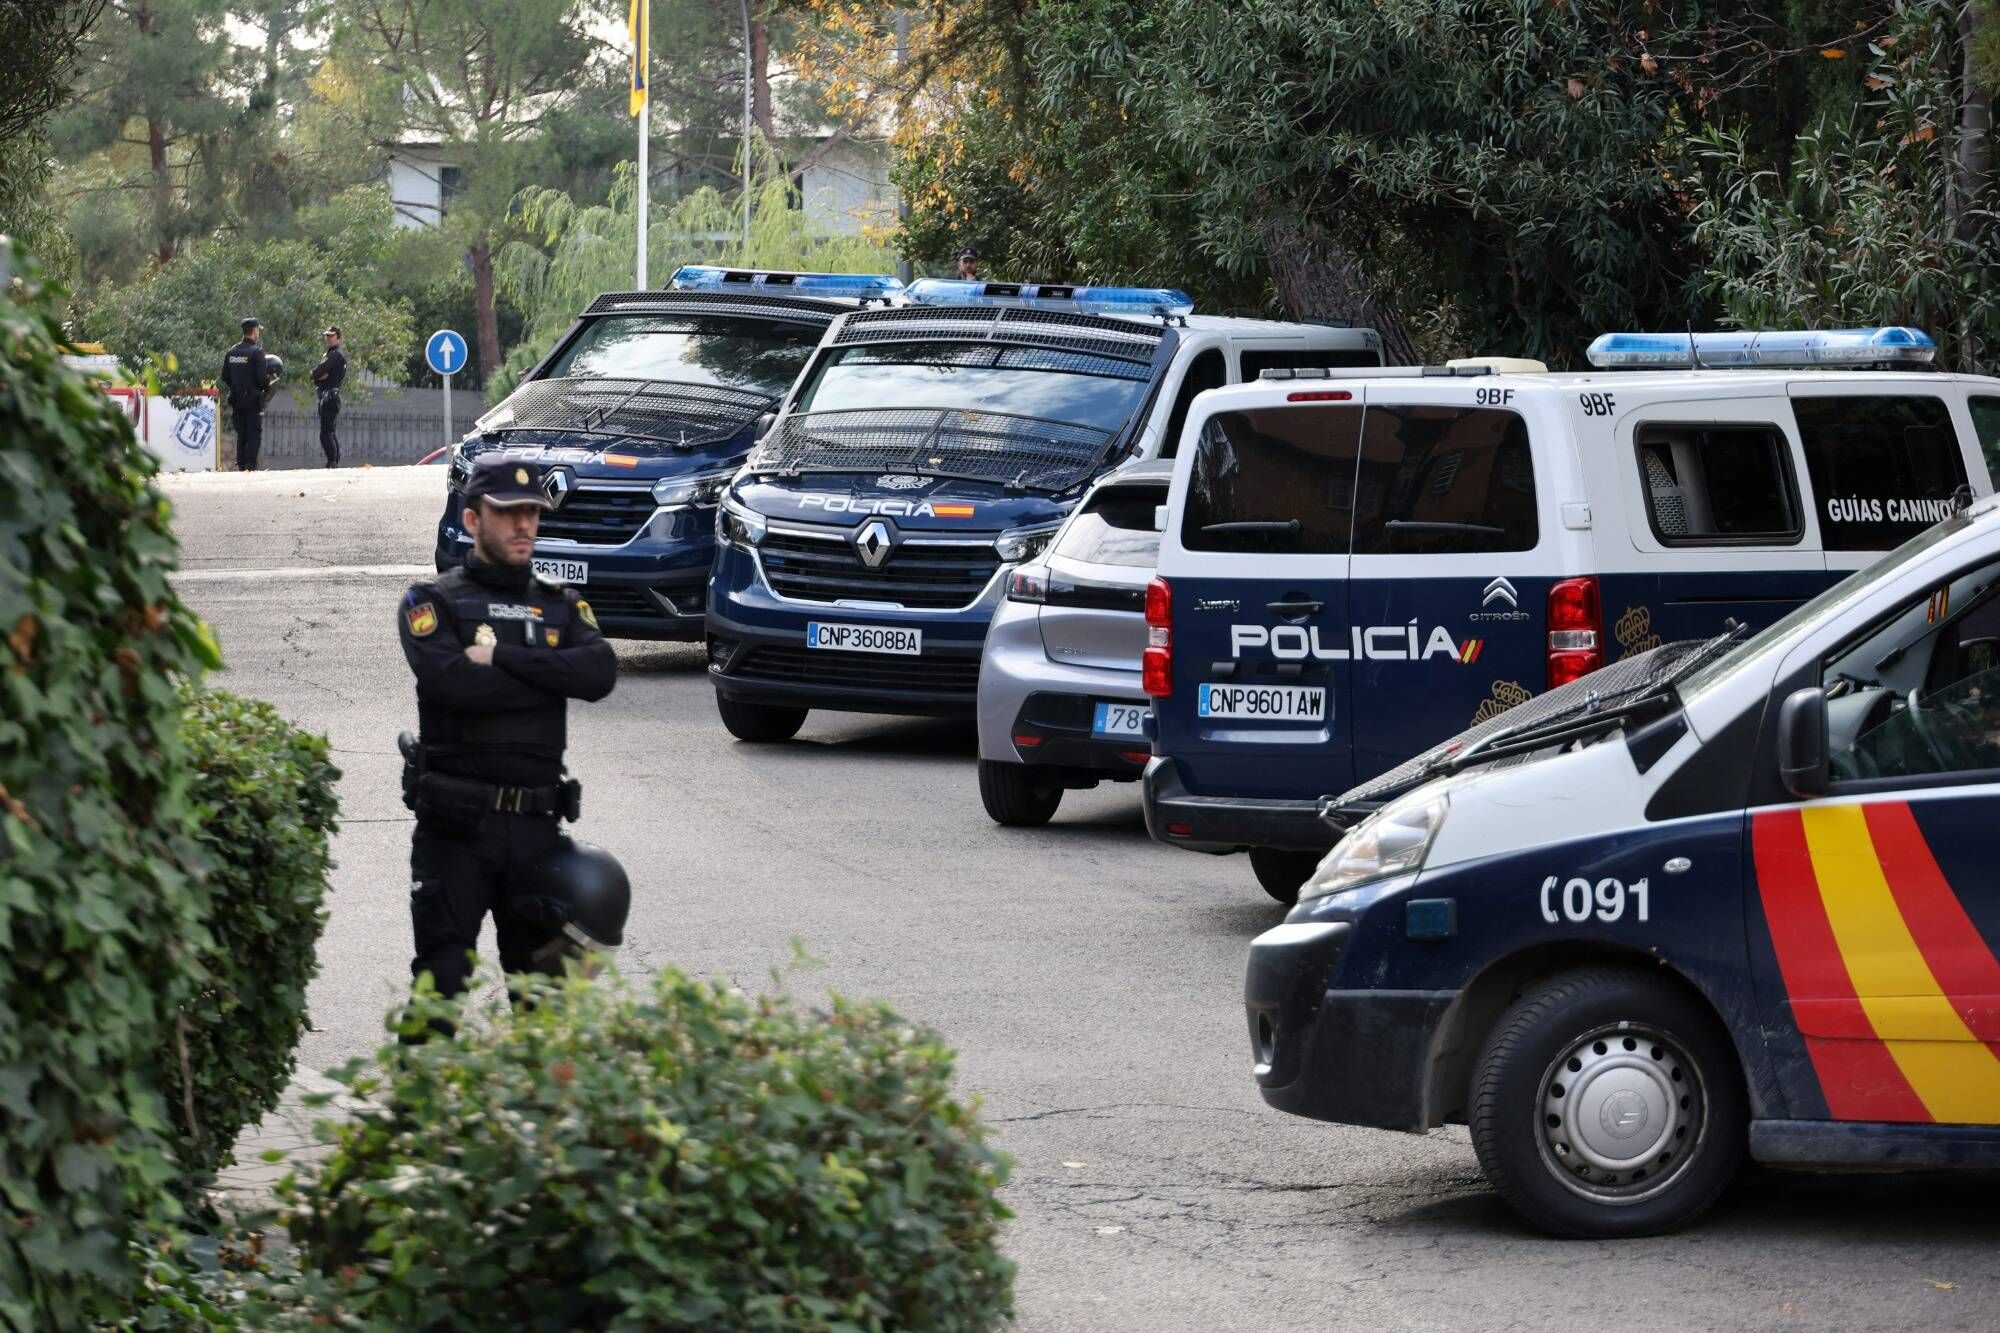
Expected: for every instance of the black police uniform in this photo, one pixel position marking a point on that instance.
(244, 377)
(327, 377)
(492, 741)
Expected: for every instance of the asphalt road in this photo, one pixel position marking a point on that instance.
(1089, 979)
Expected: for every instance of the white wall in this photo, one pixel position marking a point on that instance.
(415, 186)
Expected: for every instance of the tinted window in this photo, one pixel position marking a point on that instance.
(1042, 383)
(1116, 528)
(1444, 479)
(1279, 479)
(1986, 425)
(735, 353)
(1713, 485)
(1256, 362)
(1883, 469)
(1206, 372)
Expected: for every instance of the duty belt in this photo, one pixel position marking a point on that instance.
(528, 800)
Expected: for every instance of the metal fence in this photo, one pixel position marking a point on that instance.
(291, 437)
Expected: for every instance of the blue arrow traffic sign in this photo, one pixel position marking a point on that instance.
(445, 352)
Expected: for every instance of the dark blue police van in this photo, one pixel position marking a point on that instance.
(641, 414)
(926, 449)
(1358, 564)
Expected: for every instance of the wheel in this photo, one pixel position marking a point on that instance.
(1607, 1103)
(1013, 797)
(1282, 872)
(759, 722)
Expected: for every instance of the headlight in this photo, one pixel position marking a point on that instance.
(1392, 841)
(704, 489)
(738, 527)
(1025, 543)
(457, 472)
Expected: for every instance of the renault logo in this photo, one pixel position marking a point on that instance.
(556, 486)
(1500, 590)
(873, 543)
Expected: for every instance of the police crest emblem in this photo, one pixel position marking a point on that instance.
(485, 637)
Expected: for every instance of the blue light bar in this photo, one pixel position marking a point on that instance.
(1804, 347)
(710, 278)
(1054, 295)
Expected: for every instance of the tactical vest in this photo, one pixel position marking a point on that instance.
(536, 615)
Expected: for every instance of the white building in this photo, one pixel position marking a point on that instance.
(421, 183)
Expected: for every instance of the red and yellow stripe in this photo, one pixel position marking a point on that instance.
(1891, 985)
(952, 510)
(1468, 651)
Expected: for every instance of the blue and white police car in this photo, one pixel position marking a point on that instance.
(927, 449)
(1356, 565)
(641, 414)
(1723, 898)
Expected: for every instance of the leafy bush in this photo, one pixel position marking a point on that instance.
(98, 911)
(675, 1156)
(265, 800)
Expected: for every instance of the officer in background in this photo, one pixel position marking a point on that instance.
(327, 377)
(968, 264)
(498, 654)
(245, 377)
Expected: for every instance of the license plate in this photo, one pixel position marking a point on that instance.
(865, 638)
(563, 571)
(1120, 720)
(1284, 703)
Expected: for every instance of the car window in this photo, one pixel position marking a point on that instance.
(1276, 480)
(1716, 485)
(1115, 527)
(1205, 372)
(1919, 695)
(1438, 479)
(1883, 468)
(1986, 425)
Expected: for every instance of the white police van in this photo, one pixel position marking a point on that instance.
(1725, 898)
(1357, 564)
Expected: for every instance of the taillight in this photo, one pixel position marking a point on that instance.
(1156, 675)
(1576, 639)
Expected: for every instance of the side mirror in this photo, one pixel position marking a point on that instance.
(764, 424)
(1802, 757)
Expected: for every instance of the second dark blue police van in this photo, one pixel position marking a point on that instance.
(641, 414)
(927, 449)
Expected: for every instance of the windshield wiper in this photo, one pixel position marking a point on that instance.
(1255, 525)
(1426, 525)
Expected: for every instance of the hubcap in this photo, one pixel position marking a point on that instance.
(1623, 1113)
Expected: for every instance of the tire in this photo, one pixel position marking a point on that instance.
(1627, 1049)
(759, 722)
(1282, 873)
(1012, 796)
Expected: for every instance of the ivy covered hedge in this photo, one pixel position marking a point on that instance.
(672, 1156)
(264, 799)
(99, 913)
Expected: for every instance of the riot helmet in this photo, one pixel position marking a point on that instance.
(274, 371)
(581, 895)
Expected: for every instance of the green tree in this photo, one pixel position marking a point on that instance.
(41, 41)
(479, 78)
(178, 321)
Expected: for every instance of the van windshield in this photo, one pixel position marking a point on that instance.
(729, 353)
(1041, 383)
(1841, 594)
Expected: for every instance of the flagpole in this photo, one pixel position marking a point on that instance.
(645, 124)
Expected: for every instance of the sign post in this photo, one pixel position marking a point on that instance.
(445, 355)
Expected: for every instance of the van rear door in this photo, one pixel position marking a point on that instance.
(1257, 570)
(1453, 562)
(1721, 524)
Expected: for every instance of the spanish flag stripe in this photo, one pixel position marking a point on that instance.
(1957, 1078)
(1858, 1079)
(1958, 955)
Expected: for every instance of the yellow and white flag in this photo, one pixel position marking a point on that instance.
(636, 23)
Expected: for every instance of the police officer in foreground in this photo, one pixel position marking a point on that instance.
(246, 377)
(327, 377)
(498, 654)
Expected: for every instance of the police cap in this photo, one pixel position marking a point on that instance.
(506, 481)
(250, 322)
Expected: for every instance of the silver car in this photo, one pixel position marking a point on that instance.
(1060, 701)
